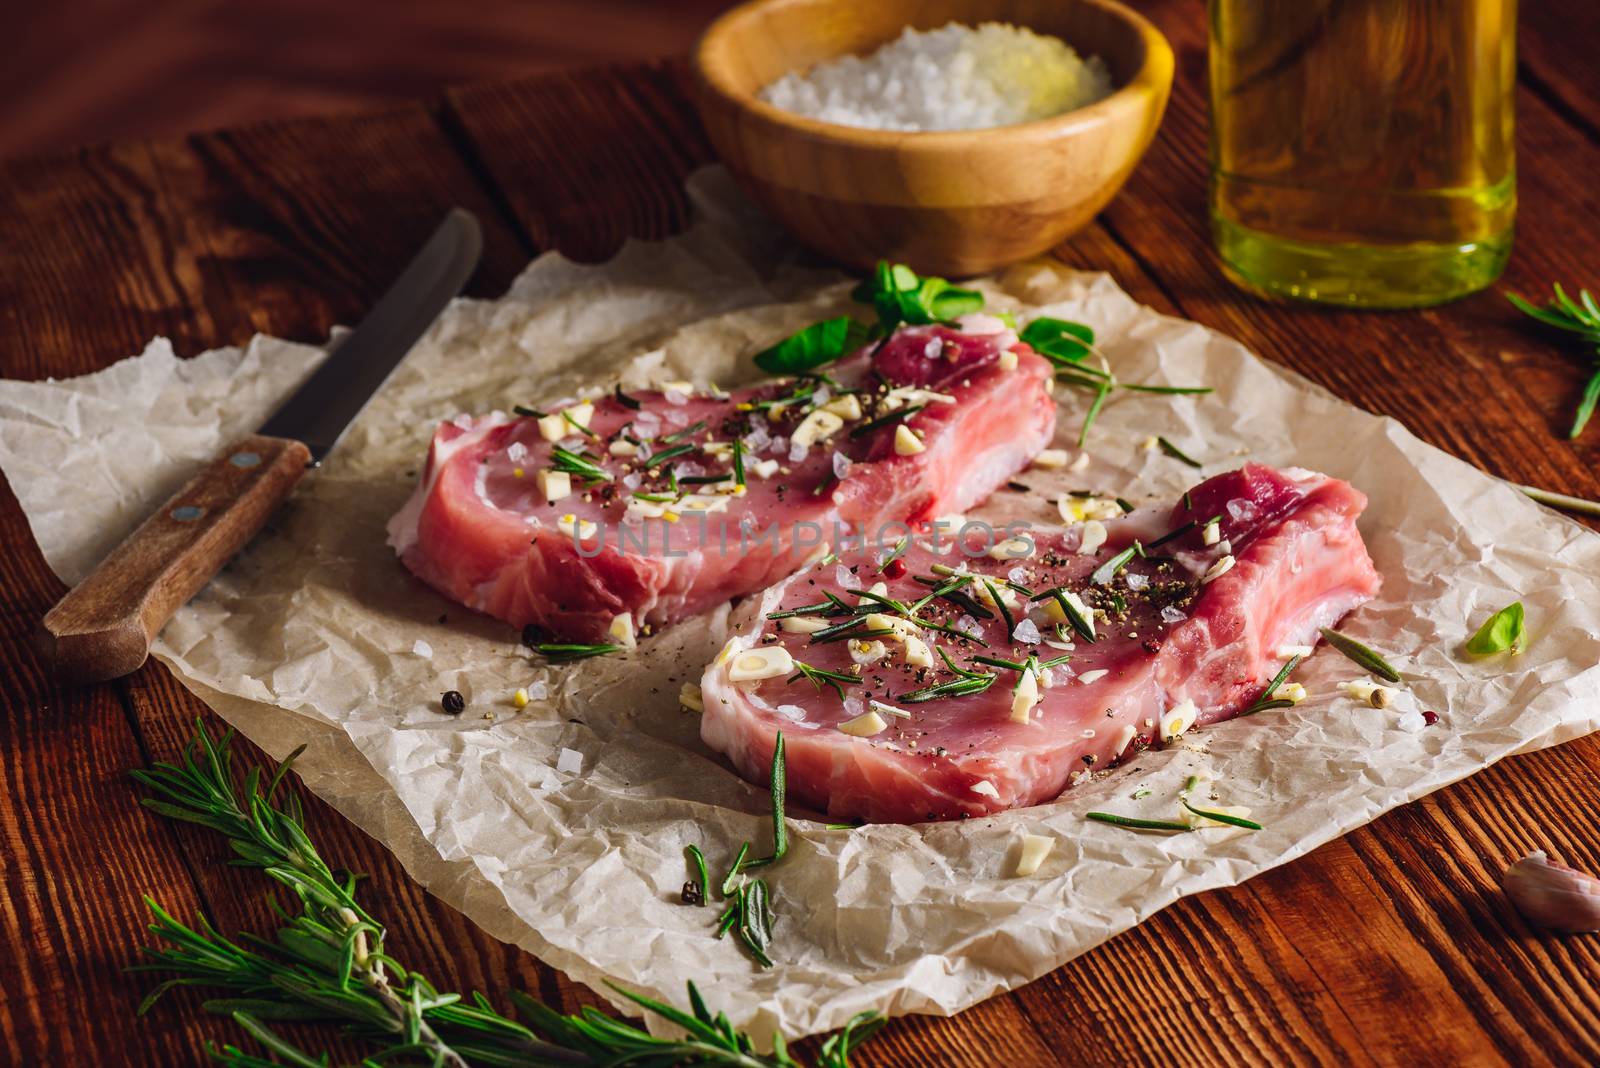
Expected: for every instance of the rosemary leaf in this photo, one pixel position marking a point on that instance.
(1361, 654)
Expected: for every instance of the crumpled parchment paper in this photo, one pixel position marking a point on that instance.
(312, 635)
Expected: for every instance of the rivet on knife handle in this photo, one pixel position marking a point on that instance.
(103, 627)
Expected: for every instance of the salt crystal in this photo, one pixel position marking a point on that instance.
(1411, 722)
(1135, 580)
(632, 480)
(1018, 575)
(570, 761)
(422, 649)
(779, 444)
(843, 577)
(516, 451)
(1242, 510)
(677, 396)
(1027, 632)
(931, 349)
(821, 396)
(1170, 614)
(797, 452)
(791, 712)
(841, 466)
(969, 626)
(537, 691)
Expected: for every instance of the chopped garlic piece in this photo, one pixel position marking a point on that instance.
(1077, 509)
(1217, 570)
(1053, 611)
(575, 528)
(1090, 677)
(1079, 464)
(552, 427)
(906, 443)
(985, 787)
(520, 698)
(818, 426)
(580, 414)
(1292, 692)
(802, 624)
(1211, 533)
(1178, 719)
(867, 652)
(917, 652)
(1150, 444)
(1124, 739)
(689, 697)
(554, 485)
(754, 665)
(1008, 360)
(1011, 549)
(1094, 536)
(847, 407)
(621, 631)
(865, 725)
(1035, 847)
(1370, 692)
(903, 628)
(1284, 652)
(879, 589)
(1024, 697)
(1051, 458)
(889, 710)
(763, 468)
(1008, 596)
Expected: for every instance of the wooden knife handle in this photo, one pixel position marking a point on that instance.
(103, 627)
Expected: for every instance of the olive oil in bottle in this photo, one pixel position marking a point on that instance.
(1362, 149)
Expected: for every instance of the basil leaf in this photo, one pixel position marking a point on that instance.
(1059, 339)
(814, 346)
(899, 295)
(1499, 633)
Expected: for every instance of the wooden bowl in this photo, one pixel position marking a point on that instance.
(952, 203)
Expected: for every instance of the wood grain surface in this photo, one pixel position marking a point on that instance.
(1391, 945)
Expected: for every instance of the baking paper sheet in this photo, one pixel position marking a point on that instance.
(312, 636)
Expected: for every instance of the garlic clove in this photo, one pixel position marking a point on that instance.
(1553, 895)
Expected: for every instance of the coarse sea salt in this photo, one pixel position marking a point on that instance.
(953, 78)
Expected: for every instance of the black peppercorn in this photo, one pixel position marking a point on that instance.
(692, 895)
(452, 702)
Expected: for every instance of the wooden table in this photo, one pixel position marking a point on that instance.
(1391, 945)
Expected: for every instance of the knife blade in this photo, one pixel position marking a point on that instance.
(103, 627)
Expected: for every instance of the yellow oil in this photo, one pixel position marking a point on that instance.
(1362, 149)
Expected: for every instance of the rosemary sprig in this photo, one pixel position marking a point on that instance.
(1266, 700)
(1135, 823)
(328, 961)
(578, 463)
(820, 677)
(1111, 568)
(687, 432)
(567, 652)
(1581, 317)
(1222, 817)
(778, 787)
(1176, 453)
(885, 420)
(1361, 654)
(631, 403)
(656, 459)
(1000, 606)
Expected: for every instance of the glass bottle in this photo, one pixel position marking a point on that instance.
(1361, 150)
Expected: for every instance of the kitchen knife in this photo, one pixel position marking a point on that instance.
(103, 627)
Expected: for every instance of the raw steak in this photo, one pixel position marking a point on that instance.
(646, 543)
(1184, 635)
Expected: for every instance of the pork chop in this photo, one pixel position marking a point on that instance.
(603, 516)
(973, 675)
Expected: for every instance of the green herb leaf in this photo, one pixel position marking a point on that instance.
(1136, 824)
(899, 295)
(778, 787)
(1058, 340)
(1581, 317)
(1177, 454)
(1361, 654)
(1107, 571)
(816, 345)
(1500, 633)
(1223, 817)
(566, 652)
